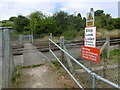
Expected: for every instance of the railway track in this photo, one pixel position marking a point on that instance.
(45, 48)
(99, 42)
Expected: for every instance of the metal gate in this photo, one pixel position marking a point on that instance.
(26, 39)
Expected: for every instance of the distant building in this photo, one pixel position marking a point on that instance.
(119, 9)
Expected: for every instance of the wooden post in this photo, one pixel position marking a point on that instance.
(61, 45)
(68, 61)
(108, 46)
(50, 45)
(20, 38)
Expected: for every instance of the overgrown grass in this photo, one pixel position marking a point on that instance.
(115, 52)
(30, 66)
(56, 64)
(102, 33)
(15, 77)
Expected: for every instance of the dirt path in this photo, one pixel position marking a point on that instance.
(45, 76)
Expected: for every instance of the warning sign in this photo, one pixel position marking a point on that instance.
(90, 19)
(90, 36)
(90, 53)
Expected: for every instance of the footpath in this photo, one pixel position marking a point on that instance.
(44, 76)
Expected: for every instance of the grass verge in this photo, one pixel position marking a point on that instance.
(56, 64)
(30, 66)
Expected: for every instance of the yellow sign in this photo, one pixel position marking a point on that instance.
(90, 23)
(90, 19)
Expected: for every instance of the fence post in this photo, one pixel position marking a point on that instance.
(20, 39)
(6, 59)
(108, 46)
(32, 38)
(93, 81)
(68, 60)
(50, 37)
(61, 45)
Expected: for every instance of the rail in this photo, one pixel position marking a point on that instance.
(94, 75)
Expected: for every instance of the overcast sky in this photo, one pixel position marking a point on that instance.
(9, 8)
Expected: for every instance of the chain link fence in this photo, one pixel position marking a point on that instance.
(6, 59)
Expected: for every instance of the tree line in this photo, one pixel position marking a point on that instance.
(60, 23)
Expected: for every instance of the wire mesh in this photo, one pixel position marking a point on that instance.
(7, 68)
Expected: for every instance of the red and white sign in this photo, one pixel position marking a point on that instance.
(90, 36)
(90, 53)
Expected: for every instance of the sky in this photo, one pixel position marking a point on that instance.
(9, 8)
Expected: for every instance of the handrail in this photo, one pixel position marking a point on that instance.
(67, 70)
(89, 71)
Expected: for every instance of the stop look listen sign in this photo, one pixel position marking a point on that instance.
(90, 36)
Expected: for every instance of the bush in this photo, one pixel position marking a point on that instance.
(115, 52)
(70, 34)
(110, 27)
(82, 33)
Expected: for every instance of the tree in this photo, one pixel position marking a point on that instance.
(61, 19)
(35, 21)
(117, 23)
(12, 19)
(21, 22)
(99, 12)
(79, 22)
(103, 20)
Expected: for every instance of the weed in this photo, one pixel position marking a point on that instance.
(57, 64)
(15, 76)
(30, 66)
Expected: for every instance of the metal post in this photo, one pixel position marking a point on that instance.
(61, 45)
(93, 81)
(32, 38)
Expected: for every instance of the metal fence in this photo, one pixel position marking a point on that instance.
(6, 59)
(78, 68)
(26, 39)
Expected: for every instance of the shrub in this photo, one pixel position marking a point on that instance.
(115, 52)
(70, 34)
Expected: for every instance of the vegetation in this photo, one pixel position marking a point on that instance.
(61, 23)
(30, 66)
(56, 64)
(115, 52)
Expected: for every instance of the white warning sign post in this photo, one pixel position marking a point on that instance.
(90, 36)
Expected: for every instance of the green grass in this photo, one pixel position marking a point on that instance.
(15, 77)
(30, 66)
(56, 64)
(115, 52)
